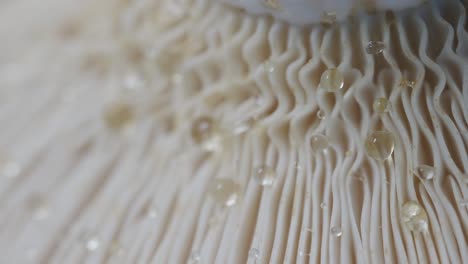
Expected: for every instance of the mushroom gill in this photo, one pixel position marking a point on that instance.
(189, 131)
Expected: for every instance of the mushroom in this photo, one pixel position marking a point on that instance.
(180, 131)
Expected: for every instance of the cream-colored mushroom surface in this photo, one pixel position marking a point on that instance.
(191, 132)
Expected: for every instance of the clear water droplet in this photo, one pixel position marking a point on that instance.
(375, 47)
(321, 114)
(225, 191)
(93, 243)
(328, 18)
(254, 253)
(269, 66)
(195, 257)
(265, 176)
(336, 231)
(119, 115)
(323, 205)
(319, 143)
(151, 212)
(414, 217)
(205, 132)
(404, 83)
(425, 172)
(380, 144)
(381, 105)
(332, 80)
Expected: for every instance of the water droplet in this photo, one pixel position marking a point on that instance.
(425, 172)
(328, 18)
(225, 191)
(93, 243)
(195, 257)
(254, 253)
(332, 80)
(271, 4)
(375, 47)
(265, 176)
(9, 168)
(404, 83)
(303, 254)
(381, 105)
(150, 212)
(321, 114)
(118, 116)
(319, 143)
(269, 66)
(414, 216)
(205, 133)
(380, 144)
(323, 205)
(336, 231)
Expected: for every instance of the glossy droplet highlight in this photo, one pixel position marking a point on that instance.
(425, 172)
(321, 114)
(380, 144)
(254, 253)
(149, 212)
(332, 80)
(225, 191)
(381, 105)
(328, 18)
(93, 243)
(336, 231)
(319, 143)
(265, 176)
(404, 83)
(119, 115)
(414, 217)
(375, 47)
(323, 205)
(269, 66)
(195, 257)
(205, 133)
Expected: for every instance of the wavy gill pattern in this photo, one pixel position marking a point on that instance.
(142, 195)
